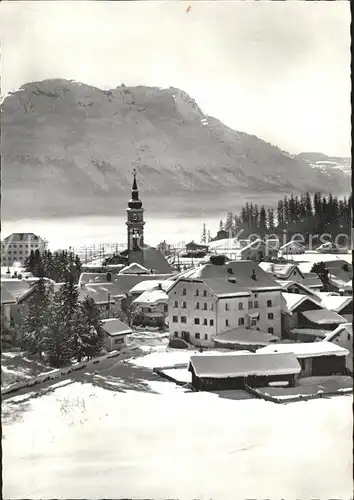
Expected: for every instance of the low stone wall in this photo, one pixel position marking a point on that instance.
(57, 373)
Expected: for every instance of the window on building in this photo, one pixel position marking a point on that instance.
(184, 305)
(183, 319)
(176, 334)
(118, 341)
(349, 337)
(175, 304)
(241, 321)
(197, 335)
(226, 306)
(212, 307)
(226, 322)
(196, 321)
(205, 306)
(240, 306)
(184, 291)
(165, 308)
(205, 337)
(255, 304)
(197, 292)
(270, 330)
(270, 316)
(205, 294)
(175, 319)
(269, 303)
(197, 305)
(205, 322)
(250, 304)
(256, 295)
(211, 322)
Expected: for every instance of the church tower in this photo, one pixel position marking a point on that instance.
(135, 225)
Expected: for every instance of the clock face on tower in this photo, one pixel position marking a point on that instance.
(135, 218)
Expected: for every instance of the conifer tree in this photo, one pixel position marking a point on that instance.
(229, 222)
(37, 318)
(262, 222)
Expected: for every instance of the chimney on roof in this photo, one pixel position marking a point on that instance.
(159, 286)
(254, 277)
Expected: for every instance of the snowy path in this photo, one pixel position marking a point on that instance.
(123, 432)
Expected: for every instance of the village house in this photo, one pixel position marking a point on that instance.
(106, 295)
(291, 248)
(151, 307)
(115, 334)
(315, 358)
(343, 336)
(293, 306)
(298, 288)
(286, 272)
(18, 246)
(7, 300)
(257, 251)
(220, 296)
(220, 372)
(196, 249)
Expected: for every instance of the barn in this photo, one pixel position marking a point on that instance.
(220, 372)
(316, 358)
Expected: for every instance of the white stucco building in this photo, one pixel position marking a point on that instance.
(218, 297)
(18, 246)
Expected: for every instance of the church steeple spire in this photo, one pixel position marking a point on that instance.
(135, 202)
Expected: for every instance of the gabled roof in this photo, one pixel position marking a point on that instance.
(281, 271)
(151, 297)
(219, 366)
(305, 349)
(311, 332)
(291, 301)
(153, 259)
(336, 302)
(6, 297)
(245, 336)
(115, 327)
(134, 268)
(347, 327)
(292, 243)
(17, 288)
(312, 280)
(324, 317)
(287, 284)
(22, 237)
(258, 242)
(231, 279)
(146, 285)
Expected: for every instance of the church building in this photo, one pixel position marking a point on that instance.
(137, 252)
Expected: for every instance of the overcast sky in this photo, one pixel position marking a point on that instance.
(278, 70)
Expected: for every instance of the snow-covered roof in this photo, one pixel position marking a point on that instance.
(292, 244)
(279, 270)
(114, 327)
(17, 288)
(232, 279)
(312, 280)
(6, 297)
(219, 366)
(312, 332)
(246, 337)
(340, 284)
(336, 302)
(146, 285)
(100, 292)
(287, 284)
(348, 327)
(290, 301)
(306, 349)
(134, 268)
(323, 317)
(151, 297)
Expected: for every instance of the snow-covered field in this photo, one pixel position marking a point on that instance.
(124, 432)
